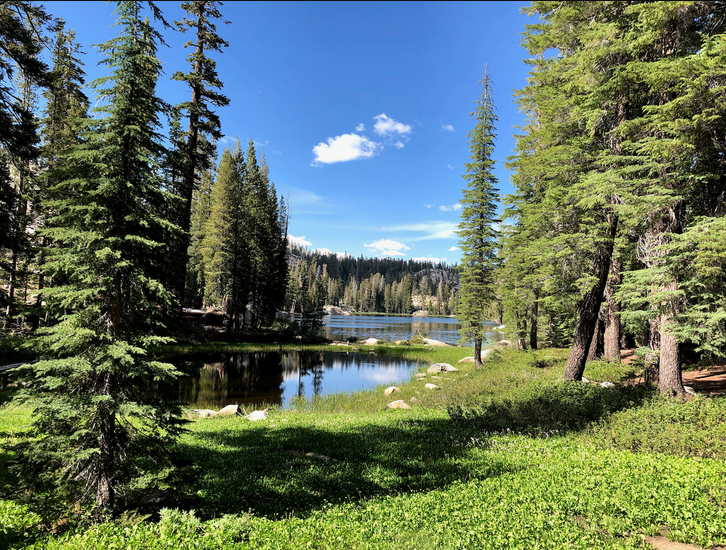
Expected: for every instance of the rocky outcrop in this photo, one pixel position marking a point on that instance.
(442, 367)
(432, 342)
(338, 310)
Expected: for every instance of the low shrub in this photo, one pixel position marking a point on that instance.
(559, 406)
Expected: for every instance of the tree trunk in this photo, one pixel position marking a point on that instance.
(670, 380)
(106, 443)
(612, 321)
(590, 307)
(477, 352)
(593, 351)
(533, 322)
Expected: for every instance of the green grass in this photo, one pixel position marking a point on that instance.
(464, 468)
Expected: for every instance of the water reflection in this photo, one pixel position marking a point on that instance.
(254, 378)
(392, 328)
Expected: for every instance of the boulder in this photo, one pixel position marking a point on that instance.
(501, 327)
(420, 375)
(257, 415)
(370, 342)
(442, 367)
(389, 390)
(585, 380)
(205, 413)
(432, 342)
(504, 343)
(689, 390)
(228, 410)
(607, 385)
(431, 387)
(484, 355)
(400, 404)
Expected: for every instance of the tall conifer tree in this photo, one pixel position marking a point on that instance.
(103, 437)
(476, 229)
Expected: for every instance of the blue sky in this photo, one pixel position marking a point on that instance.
(361, 108)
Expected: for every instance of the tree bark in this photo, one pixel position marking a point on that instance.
(670, 379)
(477, 352)
(533, 326)
(590, 307)
(612, 321)
(594, 352)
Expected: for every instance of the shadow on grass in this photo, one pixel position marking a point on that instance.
(267, 472)
(561, 407)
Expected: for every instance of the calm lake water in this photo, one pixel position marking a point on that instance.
(248, 379)
(444, 329)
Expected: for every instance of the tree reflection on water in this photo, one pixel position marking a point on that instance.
(273, 378)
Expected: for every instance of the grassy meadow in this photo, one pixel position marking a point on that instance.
(505, 456)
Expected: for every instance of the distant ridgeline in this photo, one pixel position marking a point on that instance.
(381, 285)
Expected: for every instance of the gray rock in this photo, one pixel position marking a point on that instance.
(607, 385)
(257, 415)
(420, 375)
(442, 367)
(431, 387)
(400, 404)
(228, 410)
(389, 390)
(689, 390)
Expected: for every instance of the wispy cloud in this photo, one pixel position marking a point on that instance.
(447, 127)
(360, 127)
(386, 126)
(298, 241)
(344, 148)
(449, 167)
(399, 144)
(453, 248)
(453, 208)
(387, 247)
(431, 230)
(427, 205)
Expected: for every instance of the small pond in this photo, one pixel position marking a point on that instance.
(253, 378)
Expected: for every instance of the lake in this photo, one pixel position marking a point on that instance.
(392, 328)
(254, 378)
(247, 379)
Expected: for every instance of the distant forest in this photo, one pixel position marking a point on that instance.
(381, 285)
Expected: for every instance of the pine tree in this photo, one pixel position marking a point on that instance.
(203, 120)
(476, 230)
(21, 73)
(104, 438)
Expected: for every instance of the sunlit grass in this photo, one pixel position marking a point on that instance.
(344, 471)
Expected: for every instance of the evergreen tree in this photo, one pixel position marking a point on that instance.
(476, 230)
(104, 438)
(203, 120)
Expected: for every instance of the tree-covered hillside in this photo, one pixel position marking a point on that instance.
(383, 285)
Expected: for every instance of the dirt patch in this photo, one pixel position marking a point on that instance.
(710, 381)
(662, 543)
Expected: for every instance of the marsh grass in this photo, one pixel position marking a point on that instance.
(344, 471)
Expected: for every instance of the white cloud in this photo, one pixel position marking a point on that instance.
(432, 230)
(360, 127)
(447, 127)
(324, 251)
(344, 148)
(449, 167)
(387, 247)
(343, 255)
(454, 207)
(398, 144)
(385, 126)
(430, 259)
(427, 205)
(299, 241)
(453, 248)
